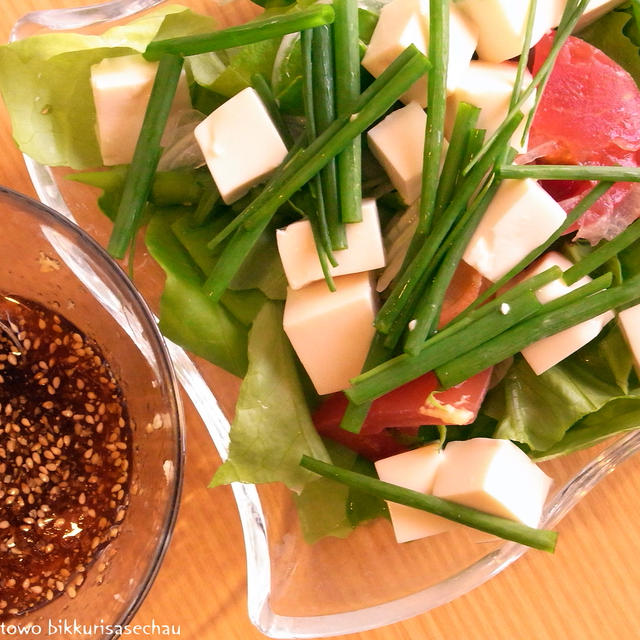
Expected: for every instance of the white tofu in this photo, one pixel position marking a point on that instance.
(406, 22)
(502, 24)
(331, 331)
(121, 88)
(629, 321)
(489, 86)
(398, 144)
(241, 144)
(546, 353)
(494, 476)
(365, 250)
(414, 470)
(521, 216)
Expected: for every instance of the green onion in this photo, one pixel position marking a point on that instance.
(436, 107)
(255, 31)
(325, 114)
(262, 88)
(347, 66)
(570, 172)
(587, 201)
(427, 312)
(422, 261)
(466, 118)
(567, 24)
(495, 525)
(603, 253)
(541, 326)
(141, 171)
(404, 368)
(206, 205)
(302, 166)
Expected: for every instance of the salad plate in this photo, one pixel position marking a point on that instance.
(334, 586)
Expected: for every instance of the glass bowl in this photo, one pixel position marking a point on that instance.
(48, 260)
(335, 586)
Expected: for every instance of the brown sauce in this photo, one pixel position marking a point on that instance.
(65, 446)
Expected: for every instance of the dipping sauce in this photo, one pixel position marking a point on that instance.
(65, 452)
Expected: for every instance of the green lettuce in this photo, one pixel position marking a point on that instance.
(45, 83)
(272, 427)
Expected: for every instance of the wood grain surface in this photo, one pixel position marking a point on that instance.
(589, 589)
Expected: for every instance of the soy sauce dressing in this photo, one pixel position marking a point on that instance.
(65, 453)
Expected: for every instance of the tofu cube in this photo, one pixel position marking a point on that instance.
(398, 144)
(331, 331)
(406, 22)
(546, 353)
(629, 321)
(494, 476)
(414, 470)
(502, 24)
(365, 250)
(521, 216)
(121, 88)
(489, 86)
(240, 143)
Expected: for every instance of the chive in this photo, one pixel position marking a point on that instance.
(262, 88)
(466, 118)
(538, 327)
(206, 205)
(322, 228)
(302, 166)
(325, 113)
(567, 24)
(587, 201)
(603, 253)
(404, 368)
(347, 66)
(422, 260)
(570, 172)
(436, 107)
(495, 525)
(249, 33)
(428, 310)
(139, 178)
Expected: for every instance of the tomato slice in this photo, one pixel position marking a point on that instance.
(589, 110)
(404, 409)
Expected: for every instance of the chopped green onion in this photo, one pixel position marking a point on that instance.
(603, 253)
(325, 114)
(262, 88)
(403, 368)
(302, 166)
(541, 326)
(436, 108)
(347, 65)
(422, 261)
(495, 525)
(570, 172)
(141, 171)
(206, 205)
(255, 31)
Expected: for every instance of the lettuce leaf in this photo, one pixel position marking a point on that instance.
(272, 427)
(44, 81)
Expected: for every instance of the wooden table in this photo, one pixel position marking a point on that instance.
(590, 588)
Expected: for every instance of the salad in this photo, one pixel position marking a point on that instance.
(449, 322)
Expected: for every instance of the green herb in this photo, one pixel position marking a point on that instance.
(347, 74)
(255, 31)
(146, 156)
(569, 172)
(263, 89)
(501, 527)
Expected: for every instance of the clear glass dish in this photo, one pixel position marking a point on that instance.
(336, 586)
(47, 259)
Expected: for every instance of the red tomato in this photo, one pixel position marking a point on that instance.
(404, 409)
(589, 112)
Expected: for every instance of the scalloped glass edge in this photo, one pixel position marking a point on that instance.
(254, 525)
